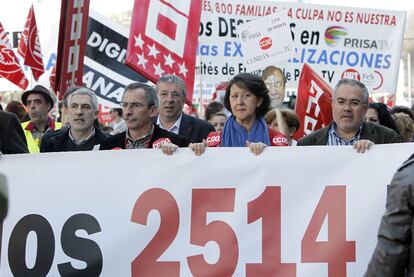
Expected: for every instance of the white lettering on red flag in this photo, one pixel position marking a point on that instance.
(9, 64)
(29, 46)
(73, 31)
(313, 104)
(163, 39)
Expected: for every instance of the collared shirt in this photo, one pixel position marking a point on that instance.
(38, 134)
(142, 142)
(175, 128)
(335, 139)
(83, 141)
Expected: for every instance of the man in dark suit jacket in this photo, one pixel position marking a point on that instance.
(171, 92)
(80, 134)
(370, 131)
(349, 106)
(139, 105)
(393, 255)
(12, 138)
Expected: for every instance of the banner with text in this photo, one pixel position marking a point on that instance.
(226, 216)
(104, 69)
(336, 41)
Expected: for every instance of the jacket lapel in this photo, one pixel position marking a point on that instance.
(185, 126)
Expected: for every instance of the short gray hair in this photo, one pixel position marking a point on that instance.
(84, 91)
(150, 94)
(354, 83)
(172, 79)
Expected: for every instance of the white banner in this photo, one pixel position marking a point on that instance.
(141, 213)
(336, 41)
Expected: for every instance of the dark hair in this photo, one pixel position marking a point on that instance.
(17, 108)
(253, 84)
(403, 109)
(213, 108)
(288, 115)
(150, 94)
(384, 115)
(118, 111)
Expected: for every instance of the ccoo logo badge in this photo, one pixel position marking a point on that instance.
(265, 43)
(333, 34)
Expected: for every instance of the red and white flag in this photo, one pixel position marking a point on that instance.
(9, 64)
(29, 46)
(163, 39)
(313, 103)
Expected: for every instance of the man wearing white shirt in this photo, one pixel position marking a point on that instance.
(171, 92)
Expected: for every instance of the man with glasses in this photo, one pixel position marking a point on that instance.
(139, 105)
(171, 92)
(349, 106)
(80, 134)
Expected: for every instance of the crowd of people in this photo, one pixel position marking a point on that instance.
(252, 115)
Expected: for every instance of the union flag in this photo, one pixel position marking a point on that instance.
(313, 103)
(163, 39)
(29, 46)
(9, 64)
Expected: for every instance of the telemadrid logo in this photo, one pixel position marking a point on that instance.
(333, 34)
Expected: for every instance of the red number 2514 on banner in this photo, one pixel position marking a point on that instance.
(336, 251)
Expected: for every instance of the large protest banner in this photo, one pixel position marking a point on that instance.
(336, 41)
(104, 69)
(228, 212)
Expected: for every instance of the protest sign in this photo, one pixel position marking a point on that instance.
(266, 40)
(335, 41)
(228, 213)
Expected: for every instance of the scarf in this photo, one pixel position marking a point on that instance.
(234, 135)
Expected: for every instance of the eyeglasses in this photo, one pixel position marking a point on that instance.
(353, 103)
(133, 105)
(276, 85)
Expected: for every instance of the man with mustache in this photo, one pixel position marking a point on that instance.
(349, 106)
(81, 134)
(38, 102)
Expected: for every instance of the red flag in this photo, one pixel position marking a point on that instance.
(29, 46)
(9, 64)
(391, 101)
(313, 103)
(73, 30)
(163, 40)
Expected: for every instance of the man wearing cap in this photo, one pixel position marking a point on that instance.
(38, 102)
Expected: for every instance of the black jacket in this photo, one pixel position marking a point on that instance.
(393, 256)
(119, 140)
(58, 141)
(12, 138)
(193, 129)
(376, 133)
